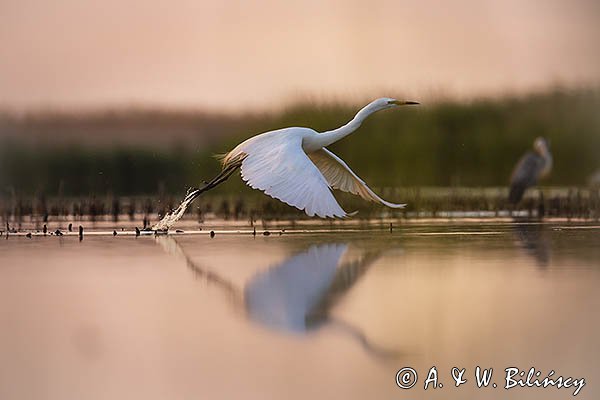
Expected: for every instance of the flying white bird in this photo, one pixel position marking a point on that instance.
(293, 165)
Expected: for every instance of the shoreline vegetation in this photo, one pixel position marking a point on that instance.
(448, 156)
(427, 202)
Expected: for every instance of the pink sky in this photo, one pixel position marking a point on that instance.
(241, 54)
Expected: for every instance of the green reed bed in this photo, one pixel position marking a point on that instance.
(429, 202)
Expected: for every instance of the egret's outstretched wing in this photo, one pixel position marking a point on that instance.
(277, 165)
(340, 176)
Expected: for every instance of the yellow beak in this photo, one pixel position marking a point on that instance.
(403, 103)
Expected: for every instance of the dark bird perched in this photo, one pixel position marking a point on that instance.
(533, 166)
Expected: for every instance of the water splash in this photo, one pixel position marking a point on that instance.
(229, 168)
(170, 218)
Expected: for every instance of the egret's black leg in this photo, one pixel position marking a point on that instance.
(169, 219)
(222, 177)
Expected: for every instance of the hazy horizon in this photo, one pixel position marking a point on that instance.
(253, 56)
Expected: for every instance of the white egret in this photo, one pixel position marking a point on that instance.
(293, 165)
(533, 166)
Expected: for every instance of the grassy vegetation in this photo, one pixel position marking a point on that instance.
(446, 144)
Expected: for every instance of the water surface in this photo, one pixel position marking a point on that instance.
(298, 315)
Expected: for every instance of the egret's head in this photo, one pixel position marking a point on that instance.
(386, 102)
(540, 145)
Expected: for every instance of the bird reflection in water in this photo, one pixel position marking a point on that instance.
(297, 295)
(532, 238)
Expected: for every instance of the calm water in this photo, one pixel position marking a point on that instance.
(299, 315)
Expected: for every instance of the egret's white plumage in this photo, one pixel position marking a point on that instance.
(341, 177)
(293, 165)
(276, 164)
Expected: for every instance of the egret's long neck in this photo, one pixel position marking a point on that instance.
(329, 137)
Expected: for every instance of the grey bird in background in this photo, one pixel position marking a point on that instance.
(533, 166)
